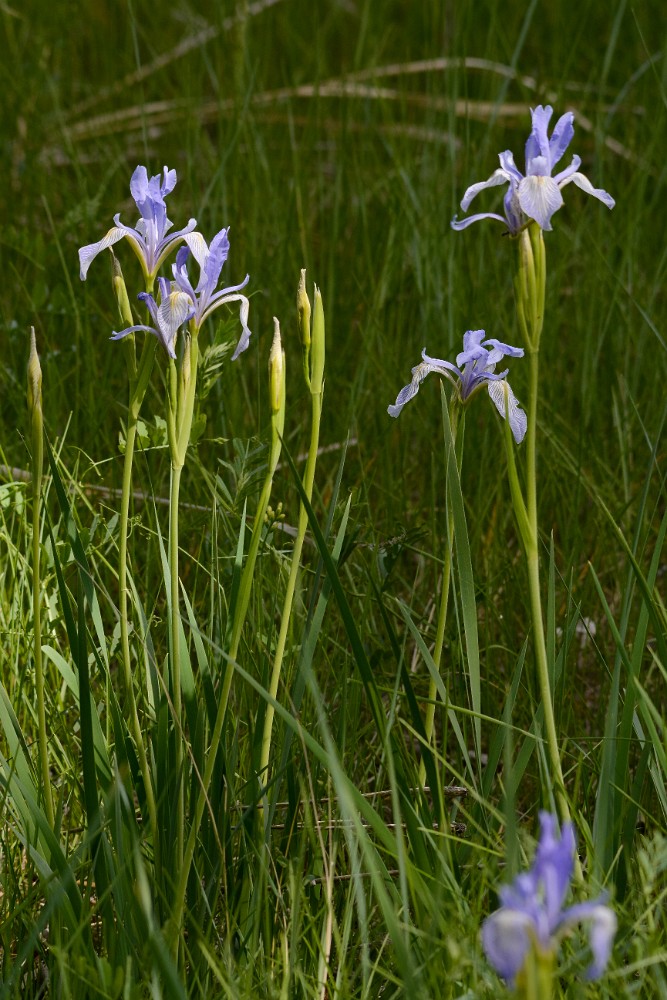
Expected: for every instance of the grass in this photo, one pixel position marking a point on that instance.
(337, 137)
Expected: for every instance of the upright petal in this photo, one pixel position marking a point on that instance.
(472, 347)
(537, 143)
(561, 137)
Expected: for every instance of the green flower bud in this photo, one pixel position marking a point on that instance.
(318, 346)
(276, 370)
(34, 377)
(303, 310)
(120, 291)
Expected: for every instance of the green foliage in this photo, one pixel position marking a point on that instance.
(337, 137)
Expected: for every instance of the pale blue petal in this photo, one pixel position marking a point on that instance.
(198, 246)
(583, 182)
(245, 333)
(407, 393)
(539, 198)
(506, 940)
(132, 329)
(509, 166)
(419, 373)
(88, 253)
(472, 349)
(516, 417)
(569, 170)
(503, 349)
(561, 137)
(537, 143)
(499, 176)
(539, 167)
(464, 223)
(601, 938)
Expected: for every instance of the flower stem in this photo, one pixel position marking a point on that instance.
(429, 721)
(172, 929)
(530, 287)
(176, 660)
(137, 393)
(37, 429)
(309, 477)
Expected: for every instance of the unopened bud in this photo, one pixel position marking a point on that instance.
(303, 310)
(34, 376)
(120, 291)
(276, 370)
(317, 351)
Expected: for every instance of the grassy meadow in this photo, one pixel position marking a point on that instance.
(159, 837)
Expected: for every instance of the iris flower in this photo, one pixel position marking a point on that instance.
(537, 195)
(169, 313)
(204, 298)
(532, 913)
(474, 368)
(148, 238)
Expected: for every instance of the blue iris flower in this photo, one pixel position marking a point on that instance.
(537, 195)
(172, 309)
(151, 238)
(532, 913)
(474, 368)
(179, 302)
(204, 298)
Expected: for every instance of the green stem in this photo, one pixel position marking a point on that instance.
(37, 470)
(137, 393)
(172, 930)
(176, 659)
(308, 481)
(531, 285)
(429, 721)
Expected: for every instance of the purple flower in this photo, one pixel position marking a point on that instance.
(532, 913)
(173, 310)
(149, 238)
(537, 195)
(474, 368)
(204, 298)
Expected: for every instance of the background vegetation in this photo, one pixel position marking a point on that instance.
(340, 136)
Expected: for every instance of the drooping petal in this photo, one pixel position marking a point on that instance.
(583, 182)
(131, 329)
(601, 938)
(419, 373)
(460, 224)
(498, 176)
(539, 198)
(515, 416)
(88, 253)
(244, 339)
(561, 137)
(506, 940)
